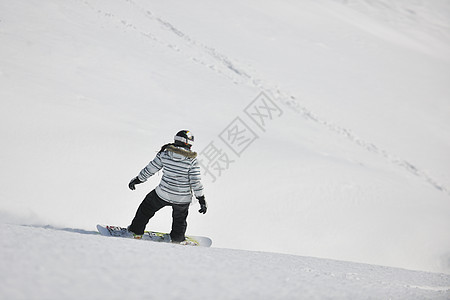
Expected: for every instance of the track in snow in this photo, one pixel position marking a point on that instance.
(221, 64)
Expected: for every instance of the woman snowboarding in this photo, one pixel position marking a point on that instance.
(181, 179)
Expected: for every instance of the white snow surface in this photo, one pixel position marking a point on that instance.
(354, 169)
(80, 264)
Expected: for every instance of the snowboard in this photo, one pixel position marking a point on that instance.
(154, 236)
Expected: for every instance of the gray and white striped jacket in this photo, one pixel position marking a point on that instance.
(181, 174)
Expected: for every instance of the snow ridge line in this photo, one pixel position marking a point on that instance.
(238, 75)
(211, 51)
(347, 133)
(305, 112)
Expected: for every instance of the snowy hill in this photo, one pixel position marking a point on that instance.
(348, 161)
(80, 264)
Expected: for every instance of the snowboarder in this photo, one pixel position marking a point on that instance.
(181, 177)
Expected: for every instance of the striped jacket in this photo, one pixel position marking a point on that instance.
(181, 174)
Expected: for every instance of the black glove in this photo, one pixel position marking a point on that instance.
(203, 205)
(133, 182)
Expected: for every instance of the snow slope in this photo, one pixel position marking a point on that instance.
(83, 265)
(355, 167)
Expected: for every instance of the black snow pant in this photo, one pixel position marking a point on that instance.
(150, 205)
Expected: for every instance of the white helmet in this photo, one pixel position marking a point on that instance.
(184, 138)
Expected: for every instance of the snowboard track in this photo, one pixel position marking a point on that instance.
(224, 66)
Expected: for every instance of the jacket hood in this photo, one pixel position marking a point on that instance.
(184, 153)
